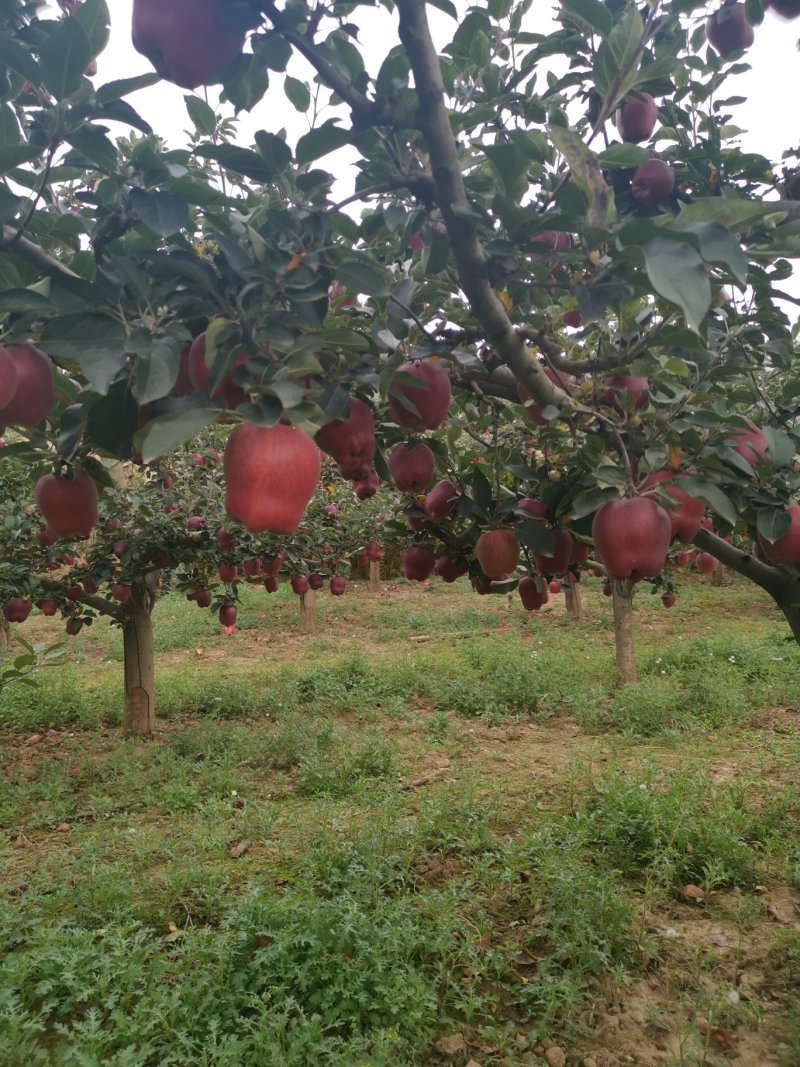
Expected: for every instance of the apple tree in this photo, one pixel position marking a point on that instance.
(557, 243)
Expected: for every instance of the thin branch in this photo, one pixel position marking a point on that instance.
(35, 255)
(420, 184)
(104, 607)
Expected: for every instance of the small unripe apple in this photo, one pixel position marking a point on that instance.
(636, 117)
(653, 182)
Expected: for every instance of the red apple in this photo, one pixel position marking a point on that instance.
(579, 552)
(90, 586)
(450, 568)
(195, 523)
(412, 467)
(35, 394)
(74, 626)
(351, 440)
(48, 606)
(441, 500)
(373, 551)
(750, 443)
(682, 557)
(532, 509)
(572, 318)
(17, 609)
(271, 474)
(315, 581)
(620, 384)
(200, 375)
(728, 30)
(607, 590)
(554, 586)
(558, 561)
(300, 584)
(227, 615)
(271, 566)
(110, 525)
(337, 585)
(160, 559)
(706, 563)
(425, 404)
(74, 592)
(331, 509)
(557, 241)
(531, 595)
(224, 538)
(120, 548)
(8, 377)
(271, 583)
(632, 537)
(120, 591)
(252, 567)
(668, 600)
(418, 563)
(45, 537)
(167, 481)
(189, 42)
(687, 512)
(653, 182)
(497, 551)
(69, 505)
(364, 488)
(636, 117)
(787, 548)
(228, 572)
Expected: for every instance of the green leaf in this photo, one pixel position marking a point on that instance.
(112, 91)
(590, 501)
(318, 142)
(65, 54)
(589, 15)
(481, 489)
(18, 301)
(510, 166)
(94, 17)
(239, 160)
(202, 115)
(773, 523)
(11, 156)
(18, 59)
(436, 253)
(717, 245)
(162, 212)
(677, 273)
(593, 300)
(733, 213)
(274, 151)
(624, 155)
(112, 421)
(535, 536)
(780, 447)
(712, 495)
(96, 342)
(297, 93)
(619, 51)
(362, 278)
(92, 142)
(69, 431)
(586, 172)
(156, 370)
(167, 432)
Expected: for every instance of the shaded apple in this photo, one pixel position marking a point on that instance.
(559, 559)
(450, 568)
(636, 117)
(441, 500)
(532, 596)
(423, 404)
(351, 440)
(227, 615)
(617, 387)
(69, 505)
(653, 182)
(728, 30)
(189, 42)
(299, 584)
(418, 563)
(750, 443)
(787, 547)
(686, 514)
(411, 466)
(35, 393)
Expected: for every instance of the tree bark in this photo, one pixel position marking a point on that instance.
(140, 679)
(573, 598)
(308, 612)
(718, 576)
(374, 577)
(5, 634)
(622, 589)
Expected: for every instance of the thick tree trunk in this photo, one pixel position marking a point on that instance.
(622, 589)
(573, 598)
(374, 577)
(718, 576)
(140, 677)
(308, 612)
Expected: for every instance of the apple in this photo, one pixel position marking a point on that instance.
(90, 586)
(687, 512)
(531, 595)
(682, 557)
(554, 586)
(616, 387)
(533, 509)
(787, 548)
(227, 615)
(200, 375)
(632, 537)
(8, 377)
(668, 600)
(331, 509)
(74, 592)
(69, 505)
(110, 525)
(636, 117)
(168, 509)
(535, 410)
(728, 31)
(450, 568)
(557, 241)
(17, 609)
(195, 523)
(48, 606)
(189, 42)
(315, 581)
(653, 182)
(373, 551)
(337, 585)
(224, 538)
(706, 563)
(120, 548)
(45, 537)
(441, 500)
(300, 584)
(270, 566)
(351, 441)
(572, 318)
(787, 9)
(750, 443)
(424, 404)
(497, 551)
(271, 583)
(558, 561)
(271, 474)
(481, 584)
(196, 460)
(411, 466)
(167, 481)
(120, 591)
(252, 567)
(607, 590)
(74, 626)
(228, 572)
(579, 552)
(203, 598)
(418, 563)
(364, 488)
(35, 394)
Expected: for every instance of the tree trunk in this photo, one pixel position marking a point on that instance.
(573, 598)
(5, 633)
(374, 577)
(622, 589)
(308, 612)
(718, 576)
(140, 677)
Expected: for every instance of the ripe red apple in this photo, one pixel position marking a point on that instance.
(686, 514)
(300, 584)
(682, 557)
(668, 600)
(90, 586)
(579, 552)
(728, 31)
(17, 609)
(227, 615)
(110, 525)
(450, 568)
(535, 410)
(203, 598)
(441, 500)
(271, 474)
(196, 460)
(195, 523)
(554, 586)
(8, 377)
(557, 241)
(418, 563)
(481, 584)
(412, 467)
(653, 182)
(430, 397)
(35, 395)
(558, 561)
(331, 509)
(47, 606)
(271, 566)
(531, 595)
(351, 440)
(189, 42)
(637, 387)
(200, 375)
(271, 583)
(69, 505)
(572, 318)
(315, 581)
(45, 537)
(706, 563)
(787, 548)
(636, 117)
(337, 585)
(228, 572)
(364, 488)
(252, 567)
(160, 559)
(632, 537)
(74, 592)
(224, 538)
(120, 548)
(168, 509)
(607, 590)
(750, 443)
(120, 591)
(532, 509)
(73, 626)
(373, 551)
(167, 481)
(497, 551)
(787, 9)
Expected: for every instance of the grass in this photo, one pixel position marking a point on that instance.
(348, 849)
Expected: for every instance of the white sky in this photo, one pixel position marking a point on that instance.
(768, 117)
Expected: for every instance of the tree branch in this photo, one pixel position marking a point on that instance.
(100, 605)
(33, 254)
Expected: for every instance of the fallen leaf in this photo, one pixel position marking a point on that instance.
(240, 849)
(693, 892)
(21, 841)
(722, 1036)
(63, 828)
(452, 1044)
